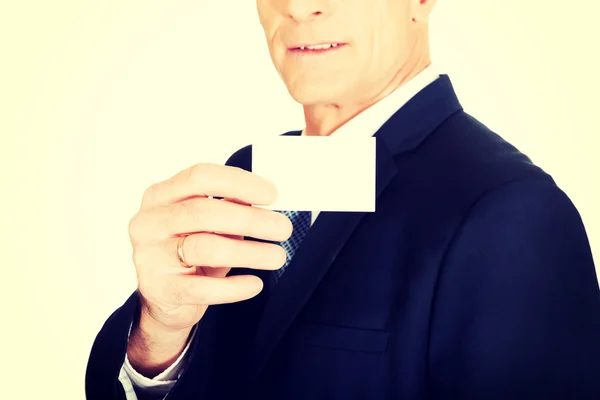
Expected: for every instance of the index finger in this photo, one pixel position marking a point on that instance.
(207, 179)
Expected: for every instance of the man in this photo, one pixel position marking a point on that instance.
(472, 280)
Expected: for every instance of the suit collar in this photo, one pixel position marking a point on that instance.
(408, 127)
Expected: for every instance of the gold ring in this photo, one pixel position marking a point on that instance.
(180, 251)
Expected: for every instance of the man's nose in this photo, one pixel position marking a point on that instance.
(307, 10)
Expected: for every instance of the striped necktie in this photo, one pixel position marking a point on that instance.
(301, 224)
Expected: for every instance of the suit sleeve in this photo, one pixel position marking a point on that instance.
(516, 313)
(108, 353)
(139, 387)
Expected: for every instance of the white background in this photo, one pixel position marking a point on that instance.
(101, 99)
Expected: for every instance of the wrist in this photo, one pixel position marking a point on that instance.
(153, 347)
(159, 334)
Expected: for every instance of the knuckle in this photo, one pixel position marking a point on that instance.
(195, 209)
(176, 210)
(197, 173)
(150, 194)
(190, 173)
(179, 209)
(134, 228)
(230, 172)
(142, 228)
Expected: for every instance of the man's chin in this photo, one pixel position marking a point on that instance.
(312, 96)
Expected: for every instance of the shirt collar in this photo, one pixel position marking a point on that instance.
(368, 122)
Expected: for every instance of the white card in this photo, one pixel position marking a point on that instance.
(318, 173)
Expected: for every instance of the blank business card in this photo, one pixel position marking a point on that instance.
(318, 173)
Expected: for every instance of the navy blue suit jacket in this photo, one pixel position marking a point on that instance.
(473, 279)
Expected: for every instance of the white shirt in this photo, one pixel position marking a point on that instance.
(365, 124)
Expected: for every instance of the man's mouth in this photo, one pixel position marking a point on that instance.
(316, 48)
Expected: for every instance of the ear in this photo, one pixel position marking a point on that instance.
(421, 10)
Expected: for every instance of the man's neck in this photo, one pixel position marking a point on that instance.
(323, 120)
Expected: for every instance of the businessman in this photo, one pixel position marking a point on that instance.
(473, 279)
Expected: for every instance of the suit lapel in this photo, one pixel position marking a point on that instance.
(404, 131)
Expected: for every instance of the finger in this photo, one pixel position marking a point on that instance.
(211, 250)
(210, 215)
(196, 290)
(236, 201)
(207, 179)
(208, 250)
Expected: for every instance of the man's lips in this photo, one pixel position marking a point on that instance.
(316, 46)
(316, 50)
